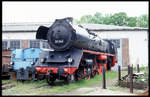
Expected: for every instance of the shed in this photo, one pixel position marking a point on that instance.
(132, 42)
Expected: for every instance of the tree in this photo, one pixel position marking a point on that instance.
(142, 21)
(86, 19)
(107, 19)
(131, 21)
(98, 18)
(119, 18)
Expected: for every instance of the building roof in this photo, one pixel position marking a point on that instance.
(103, 27)
(32, 27)
(22, 27)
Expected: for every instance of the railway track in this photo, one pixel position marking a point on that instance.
(7, 85)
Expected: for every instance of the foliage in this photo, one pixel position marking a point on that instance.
(131, 21)
(143, 78)
(142, 21)
(119, 19)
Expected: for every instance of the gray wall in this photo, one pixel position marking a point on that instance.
(138, 44)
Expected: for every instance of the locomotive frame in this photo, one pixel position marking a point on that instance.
(85, 70)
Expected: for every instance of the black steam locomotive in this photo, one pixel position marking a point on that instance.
(77, 52)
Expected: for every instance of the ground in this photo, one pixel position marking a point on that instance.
(111, 89)
(82, 87)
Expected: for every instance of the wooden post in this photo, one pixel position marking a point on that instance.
(119, 73)
(104, 80)
(128, 69)
(131, 79)
(138, 68)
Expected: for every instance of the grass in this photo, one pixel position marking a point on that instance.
(142, 69)
(28, 87)
(7, 81)
(41, 87)
(84, 83)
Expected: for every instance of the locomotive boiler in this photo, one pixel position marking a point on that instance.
(77, 53)
(62, 36)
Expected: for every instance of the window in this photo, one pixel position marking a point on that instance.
(45, 44)
(34, 44)
(5, 45)
(15, 44)
(117, 43)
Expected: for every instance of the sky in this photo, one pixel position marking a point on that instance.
(15, 12)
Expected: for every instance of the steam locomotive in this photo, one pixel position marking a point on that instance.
(77, 52)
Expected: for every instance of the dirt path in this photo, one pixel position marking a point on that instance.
(96, 89)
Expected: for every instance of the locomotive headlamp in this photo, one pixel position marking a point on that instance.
(31, 62)
(33, 49)
(11, 63)
(42, 60)
(65, 69)
(69, 60)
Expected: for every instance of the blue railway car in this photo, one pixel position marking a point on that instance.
(23, 61)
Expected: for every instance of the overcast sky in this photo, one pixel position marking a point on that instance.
(48, 11)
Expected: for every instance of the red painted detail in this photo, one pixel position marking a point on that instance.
(84, 71)
(46, 69)
(101, 67)
(97, 53)
(68, 70)
(102, 57)
(114, 61)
